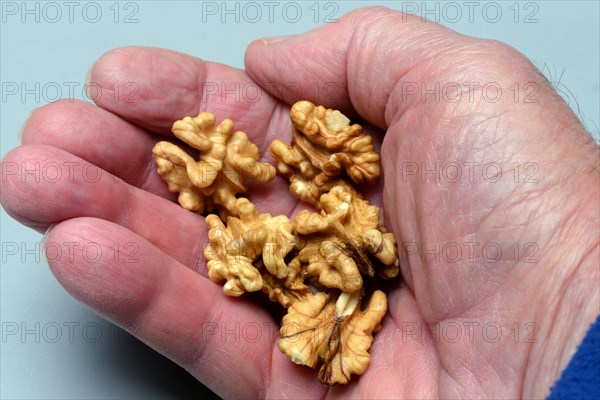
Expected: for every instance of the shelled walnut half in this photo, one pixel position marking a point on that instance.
(340, 241)
(225, 161)
(324, 145)
(233, 250)
(332, 331)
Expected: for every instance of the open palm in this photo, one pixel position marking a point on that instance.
(486, 215)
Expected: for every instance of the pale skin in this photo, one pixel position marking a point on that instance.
(368, 59)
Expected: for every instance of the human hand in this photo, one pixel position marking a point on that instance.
(153, 283)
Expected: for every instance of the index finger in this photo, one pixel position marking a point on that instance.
(154, 87)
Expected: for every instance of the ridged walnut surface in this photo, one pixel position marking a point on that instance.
(324, 145)
(316, 265)
(225, 161)
(332, 331)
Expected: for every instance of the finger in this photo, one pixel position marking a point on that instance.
(224, 342)
(44, 185)
(167, 86)
(170, 85)
(358, 63)
(39, 180)
(99, 137)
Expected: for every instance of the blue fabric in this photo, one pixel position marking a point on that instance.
(581, 379)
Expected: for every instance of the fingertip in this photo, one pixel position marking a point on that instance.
(291, 69)
(21, 179)
(88, 81)
(148, 86)
(8, 172)
(104, 265)
(97, 72)
(22, 129)
(54, 120)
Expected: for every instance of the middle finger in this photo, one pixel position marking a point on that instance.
(46, 185)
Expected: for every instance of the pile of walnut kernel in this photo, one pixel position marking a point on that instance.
(315, 265)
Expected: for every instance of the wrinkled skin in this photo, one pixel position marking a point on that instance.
(373, 55)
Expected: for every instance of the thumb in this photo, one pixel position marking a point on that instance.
(353, 65)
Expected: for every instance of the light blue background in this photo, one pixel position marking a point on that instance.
(561, 38)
